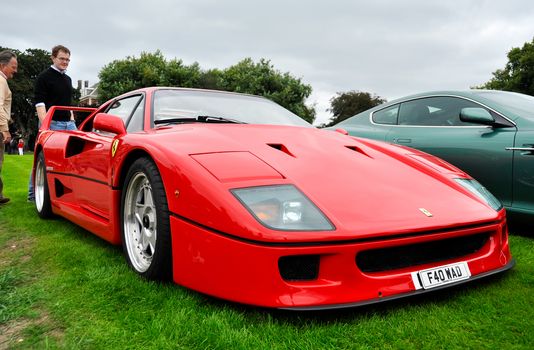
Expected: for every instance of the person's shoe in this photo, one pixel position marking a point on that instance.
(4, 200)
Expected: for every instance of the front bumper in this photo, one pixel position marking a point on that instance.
(403, 295)
(248, 272)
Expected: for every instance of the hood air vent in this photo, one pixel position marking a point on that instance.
(281, 147)
(359, 150)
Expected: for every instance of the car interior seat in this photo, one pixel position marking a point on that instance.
(417, 114)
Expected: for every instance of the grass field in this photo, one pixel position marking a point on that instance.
(63, 288)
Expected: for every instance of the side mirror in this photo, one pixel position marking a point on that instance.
(476, 115)
(342, 131)
(109, 123)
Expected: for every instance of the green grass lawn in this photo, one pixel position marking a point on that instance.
(63, 288)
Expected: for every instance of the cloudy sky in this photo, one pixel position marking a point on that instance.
(388, 48)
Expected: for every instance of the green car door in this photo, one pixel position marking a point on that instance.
(523, 153)
(433, 125)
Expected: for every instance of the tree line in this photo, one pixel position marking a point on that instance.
(247, 76)
(257, 78)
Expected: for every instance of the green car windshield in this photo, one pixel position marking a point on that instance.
(519, 104)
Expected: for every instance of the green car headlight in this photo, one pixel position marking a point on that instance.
(282, 207)
(476, 188)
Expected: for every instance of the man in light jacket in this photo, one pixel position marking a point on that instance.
(8, 67)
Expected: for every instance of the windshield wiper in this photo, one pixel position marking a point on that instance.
(176, 120)
(214, 119)
(198, 119)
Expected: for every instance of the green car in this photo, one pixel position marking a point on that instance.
(487, 133)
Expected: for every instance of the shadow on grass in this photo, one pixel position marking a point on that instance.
(442, 297)
(81, 235)
(524, 231)
(521, 225)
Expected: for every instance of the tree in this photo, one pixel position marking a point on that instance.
(263, 79)
(131, 73)
(346, 104)
(30, 63)
(152, 69)
(518, 74)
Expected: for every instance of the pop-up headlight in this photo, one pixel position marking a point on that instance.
(283, 207)
(480, 191)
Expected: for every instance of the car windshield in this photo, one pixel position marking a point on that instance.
(184, 106)
(520, 104)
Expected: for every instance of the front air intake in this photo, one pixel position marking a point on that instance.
(299, 267)
(385, 259)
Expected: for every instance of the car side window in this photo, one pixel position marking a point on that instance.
(136, 122)
(387, 115)
(434, 111)
(124, 108)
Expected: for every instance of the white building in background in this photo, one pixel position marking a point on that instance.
(88, 94)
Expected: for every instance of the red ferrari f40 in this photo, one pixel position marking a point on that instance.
(236, 197)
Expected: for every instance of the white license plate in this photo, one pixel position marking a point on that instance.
(445, 274)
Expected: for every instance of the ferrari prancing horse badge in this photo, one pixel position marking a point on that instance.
(114, 147)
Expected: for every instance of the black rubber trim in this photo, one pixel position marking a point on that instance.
(323, 243)
(404, 295)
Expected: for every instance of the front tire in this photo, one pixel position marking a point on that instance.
(42, 194)
(145, 226)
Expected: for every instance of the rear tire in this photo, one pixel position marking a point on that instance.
(145, 225)
(42, 194)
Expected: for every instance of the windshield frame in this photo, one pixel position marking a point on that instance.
(217, 103)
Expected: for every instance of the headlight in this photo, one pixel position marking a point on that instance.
(476, 188)
(282, 207)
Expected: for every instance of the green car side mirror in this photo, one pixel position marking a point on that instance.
(476, 115)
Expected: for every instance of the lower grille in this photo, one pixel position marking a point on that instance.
(299, 267)
(385, 259)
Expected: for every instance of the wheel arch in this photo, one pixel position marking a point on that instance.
(117, 183)
(129, 159)
(158, 157)
(38, 149)
(121, 171)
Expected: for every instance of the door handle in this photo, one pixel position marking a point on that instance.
(520, 149)
(402, 140)
(524, 150)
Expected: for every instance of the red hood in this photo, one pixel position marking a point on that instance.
(364, 187)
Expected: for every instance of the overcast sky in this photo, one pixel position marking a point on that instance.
(388, 48)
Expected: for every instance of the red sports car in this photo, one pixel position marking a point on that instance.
(234, 196)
